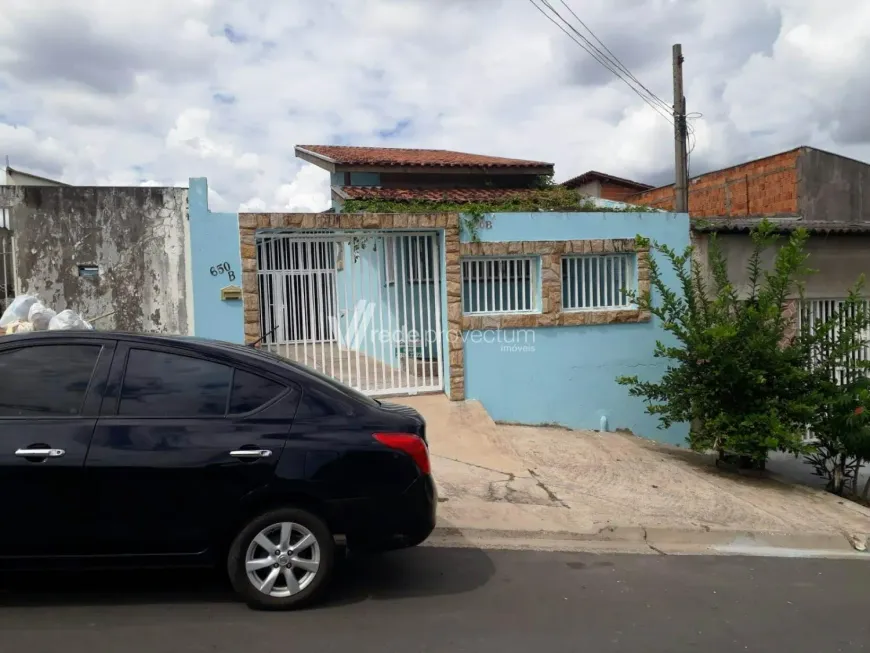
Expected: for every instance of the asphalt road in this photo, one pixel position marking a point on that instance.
(460, 600)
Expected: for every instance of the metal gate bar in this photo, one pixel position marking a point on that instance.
(364, 308)
(816, 312)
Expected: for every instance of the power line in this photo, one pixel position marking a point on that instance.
(604, 60)
(599, 56)
(613, 57)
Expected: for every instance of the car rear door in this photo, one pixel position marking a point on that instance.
(181, 440)
(50, 394)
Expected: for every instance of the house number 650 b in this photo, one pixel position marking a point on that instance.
(223, 268)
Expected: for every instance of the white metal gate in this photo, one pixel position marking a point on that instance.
(815, 312)
(364, 308)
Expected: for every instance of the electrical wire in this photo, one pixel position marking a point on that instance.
(602, 59)
(611, 62)
(613, 57)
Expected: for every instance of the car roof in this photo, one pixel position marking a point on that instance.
(239, 353)
(203, 345)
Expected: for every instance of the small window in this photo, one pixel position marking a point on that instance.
(46, 380)
(597, 282)
(499, 285)
(89, 271)
(158, 384)
(250, 391)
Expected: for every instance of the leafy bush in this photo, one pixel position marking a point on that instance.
(841, 425)
(738, 372)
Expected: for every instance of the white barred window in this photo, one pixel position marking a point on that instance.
(499, 285)
(598, 282)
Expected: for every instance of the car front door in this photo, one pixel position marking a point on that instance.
(181, 440)
(50, 394)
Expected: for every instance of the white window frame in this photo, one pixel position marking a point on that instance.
(575, 267)
(477, 270)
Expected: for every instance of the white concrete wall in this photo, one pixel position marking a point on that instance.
(11, 177)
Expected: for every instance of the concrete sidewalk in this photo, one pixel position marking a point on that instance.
(550, 488)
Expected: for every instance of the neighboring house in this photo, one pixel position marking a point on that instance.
(395, 174)
(826, 193)
(13, 177)
(600, 185)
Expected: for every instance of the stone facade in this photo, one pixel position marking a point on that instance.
(551, 253)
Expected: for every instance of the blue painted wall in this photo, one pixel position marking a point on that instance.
(365, 179)
(566, 375)
(400, 307)
(360, 281)
(214, 239)
(356, 179)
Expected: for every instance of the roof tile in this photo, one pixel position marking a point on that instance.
(455, 195)
(390, 156)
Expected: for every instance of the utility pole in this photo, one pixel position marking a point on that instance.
(681, 156)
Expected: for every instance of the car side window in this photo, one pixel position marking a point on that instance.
(160, 384)
(46, 380)
(315, 405)
(250, 391)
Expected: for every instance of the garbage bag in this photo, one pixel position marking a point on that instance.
(18, 310)
(40, 316)
(68, 320)
(18, 326)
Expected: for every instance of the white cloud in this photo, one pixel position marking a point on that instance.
(99, 91)
(309, 191)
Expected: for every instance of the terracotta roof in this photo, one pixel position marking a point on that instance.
(594, 175)
(391, 156)
(455, 195)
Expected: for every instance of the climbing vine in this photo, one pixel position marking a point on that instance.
(545, 198)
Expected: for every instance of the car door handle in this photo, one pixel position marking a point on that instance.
(40, 453)
(251, 453)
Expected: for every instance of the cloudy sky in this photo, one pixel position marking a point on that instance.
(125, 93)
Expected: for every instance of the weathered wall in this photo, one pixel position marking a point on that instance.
(839, 260)
(833, 188)
(135, 235)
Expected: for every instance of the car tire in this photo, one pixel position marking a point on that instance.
(248, 562)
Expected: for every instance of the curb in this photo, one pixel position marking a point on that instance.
(662, 541)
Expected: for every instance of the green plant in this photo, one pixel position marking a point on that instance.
(735, 373)
(843, 437)
(841, 425)
(545, 196)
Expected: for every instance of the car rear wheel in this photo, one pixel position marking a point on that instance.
(282, 560)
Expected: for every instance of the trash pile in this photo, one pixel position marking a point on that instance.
(26, 313)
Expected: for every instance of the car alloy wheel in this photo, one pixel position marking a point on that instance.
(282, 559)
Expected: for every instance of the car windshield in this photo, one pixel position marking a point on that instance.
(337, 385)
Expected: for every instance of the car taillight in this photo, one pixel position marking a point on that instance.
(410, 444)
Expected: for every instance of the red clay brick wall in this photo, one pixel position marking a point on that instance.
(764, 187)
(615, 192)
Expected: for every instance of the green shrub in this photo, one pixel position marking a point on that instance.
(738, 372)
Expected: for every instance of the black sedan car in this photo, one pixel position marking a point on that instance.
(134, 450)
